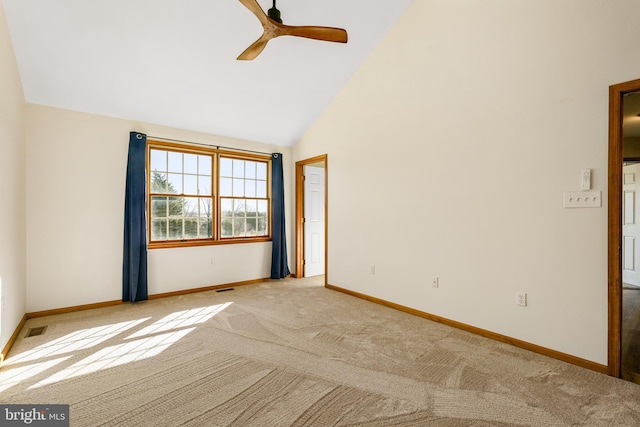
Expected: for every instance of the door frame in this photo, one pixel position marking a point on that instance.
(300, 214)
(616, 159)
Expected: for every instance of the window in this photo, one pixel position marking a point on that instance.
(243, 197)
(206, 196)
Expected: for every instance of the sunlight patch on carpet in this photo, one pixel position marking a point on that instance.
(75, 341)
(12, 377)
(117, 355)
(181, 319)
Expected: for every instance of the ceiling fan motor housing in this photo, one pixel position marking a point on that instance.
(275, 15)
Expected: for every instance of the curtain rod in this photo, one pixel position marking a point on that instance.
(208, 145)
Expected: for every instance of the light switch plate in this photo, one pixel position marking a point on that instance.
(582, 199)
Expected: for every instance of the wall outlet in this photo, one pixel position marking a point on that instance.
(435, 282)
(372, 269)
(585, 184)
(212, 261)
(521, 299)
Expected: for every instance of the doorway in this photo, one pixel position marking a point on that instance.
(624, 231)
(311, 217)
(630, 321)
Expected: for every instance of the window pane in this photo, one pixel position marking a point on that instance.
(226, 185)
(204, 165)
(176, 205)
(250, 188)
(251, 226)
(226, 167)
(238, 187)
(261, 171)
(206, 207)
(251, 207)
(175, 229)
(206, 228)
(190, 184)
(226, 205)
(158, 207)
(191, 207)
(159, 183)
(238, 227)
(175, 183)
(227, 227)
(261, 190)
(158, 160)
(191, 228)
(190, 163)
(262, 226)
(250, 170)
(159, 229)
(175, 162)
(239, 208)
(263, 207)
(238, 168)
(204, 185)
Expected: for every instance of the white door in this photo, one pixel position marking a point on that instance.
(631, 224)
(313, 221)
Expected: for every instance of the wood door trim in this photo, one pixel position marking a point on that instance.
(616, 157)
(300, 214)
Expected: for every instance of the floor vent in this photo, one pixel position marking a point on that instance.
(34, 332)
(224, 290)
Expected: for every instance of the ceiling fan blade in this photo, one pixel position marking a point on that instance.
(273, 29)
(254, 50)
(329, 34)
(254, 7)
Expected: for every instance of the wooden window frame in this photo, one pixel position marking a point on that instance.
(216, 153)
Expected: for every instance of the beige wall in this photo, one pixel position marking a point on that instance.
(12, 187)
(448, 154)
(76, 165)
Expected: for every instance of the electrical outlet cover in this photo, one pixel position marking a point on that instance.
(521, 299)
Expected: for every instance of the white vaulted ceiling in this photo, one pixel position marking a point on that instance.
(173, 62)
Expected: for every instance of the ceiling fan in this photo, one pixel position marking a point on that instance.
(273, 27)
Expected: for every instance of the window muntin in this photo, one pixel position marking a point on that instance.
(184, 208)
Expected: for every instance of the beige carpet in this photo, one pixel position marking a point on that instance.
(292, 353)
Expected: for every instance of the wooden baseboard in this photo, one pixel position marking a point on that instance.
(208, 288)
(153, 296)
(63, 310)
(13, 339)
(72, 309)
(479, 331)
